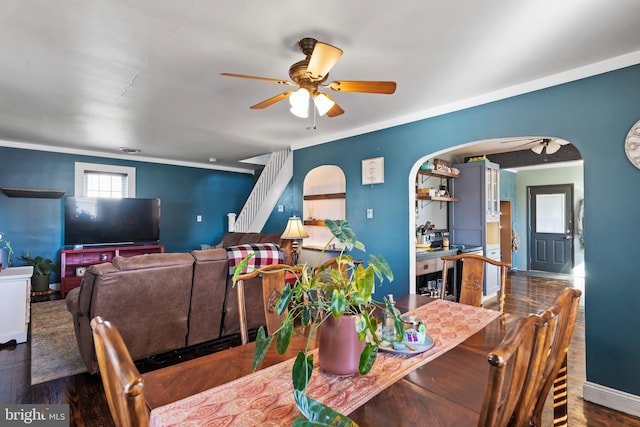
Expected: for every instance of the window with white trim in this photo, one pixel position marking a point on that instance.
(98, 180)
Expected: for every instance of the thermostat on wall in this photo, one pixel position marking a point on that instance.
(80, 271)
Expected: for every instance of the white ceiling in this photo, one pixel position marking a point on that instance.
(90, 76)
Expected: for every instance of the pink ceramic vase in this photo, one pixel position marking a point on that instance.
(338, 346)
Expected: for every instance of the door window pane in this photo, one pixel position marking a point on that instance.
(550, 213)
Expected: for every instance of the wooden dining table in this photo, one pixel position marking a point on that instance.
(445, 391)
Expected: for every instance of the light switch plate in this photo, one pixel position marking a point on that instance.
(369, 213)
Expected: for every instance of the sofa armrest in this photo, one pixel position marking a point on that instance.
(73, 302)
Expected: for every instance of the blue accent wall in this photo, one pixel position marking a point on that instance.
(36, 225)
(595, 115)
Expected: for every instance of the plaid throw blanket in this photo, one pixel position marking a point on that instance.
(265, 254)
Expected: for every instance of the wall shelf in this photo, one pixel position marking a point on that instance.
(325, 196)
(319, 222)
(32, 193)
(439, 174)
(438, 198)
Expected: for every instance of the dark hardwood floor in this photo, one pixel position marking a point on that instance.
(526, 293)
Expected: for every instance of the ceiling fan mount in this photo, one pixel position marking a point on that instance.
(310, 74)
(306, 45)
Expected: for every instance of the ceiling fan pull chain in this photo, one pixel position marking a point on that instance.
(314, 114)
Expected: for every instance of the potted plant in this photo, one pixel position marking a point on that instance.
(42, 268)
(320, 296)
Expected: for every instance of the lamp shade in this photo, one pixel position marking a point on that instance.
(294, 229)
(323, 103)
(552, 147)
(299, 101)
(538, 148)
(323, 57)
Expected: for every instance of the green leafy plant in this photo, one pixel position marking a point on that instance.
(320, 292)
(41, 266)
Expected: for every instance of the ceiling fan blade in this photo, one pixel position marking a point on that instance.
(336, 110)
(528, 139)
(533, 141)
(266, 79)
(271, 101)
(364, 86)
(323, 58)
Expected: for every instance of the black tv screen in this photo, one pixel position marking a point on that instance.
(102, 221)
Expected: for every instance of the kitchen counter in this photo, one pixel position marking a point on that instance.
(423, 253)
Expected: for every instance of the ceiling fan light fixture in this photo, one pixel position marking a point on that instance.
(323, 103)
(299, 101)
(552, 146)
(323, 58)
(538, 148)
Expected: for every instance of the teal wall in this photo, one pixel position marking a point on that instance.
(595, 115)
(36, 225)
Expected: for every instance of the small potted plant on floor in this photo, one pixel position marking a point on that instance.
(42, 268)
(322, 296)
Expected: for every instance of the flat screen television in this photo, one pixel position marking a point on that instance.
(104, 221)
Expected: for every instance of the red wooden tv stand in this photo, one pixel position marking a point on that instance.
(73, 259)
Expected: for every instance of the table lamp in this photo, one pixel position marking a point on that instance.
(294, 231)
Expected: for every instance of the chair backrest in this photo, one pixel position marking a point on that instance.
(273, 283)
(514, 369)
(472, 275)
(122, 382)
(561, 318)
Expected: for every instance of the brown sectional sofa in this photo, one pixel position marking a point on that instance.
(164, 302)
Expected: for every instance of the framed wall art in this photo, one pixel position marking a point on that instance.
(373, 171)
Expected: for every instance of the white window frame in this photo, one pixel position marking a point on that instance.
(81, 168)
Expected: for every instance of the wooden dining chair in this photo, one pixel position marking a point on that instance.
(122, 382)
(473, 267)
(273, 282)
(560, 318)
(514, 368)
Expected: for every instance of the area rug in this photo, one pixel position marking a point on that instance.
(54, 350)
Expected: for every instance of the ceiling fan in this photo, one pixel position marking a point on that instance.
(548, 145)
(310, 75)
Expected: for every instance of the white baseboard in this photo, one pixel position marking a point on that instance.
(612, 398)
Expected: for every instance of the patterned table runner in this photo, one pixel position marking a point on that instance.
(265, 398)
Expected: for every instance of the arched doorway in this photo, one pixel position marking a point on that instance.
(324, 195)
(541, 171)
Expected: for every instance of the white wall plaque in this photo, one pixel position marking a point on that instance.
(373, 171)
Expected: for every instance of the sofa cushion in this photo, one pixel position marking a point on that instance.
(151, 261)
(265, 254)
